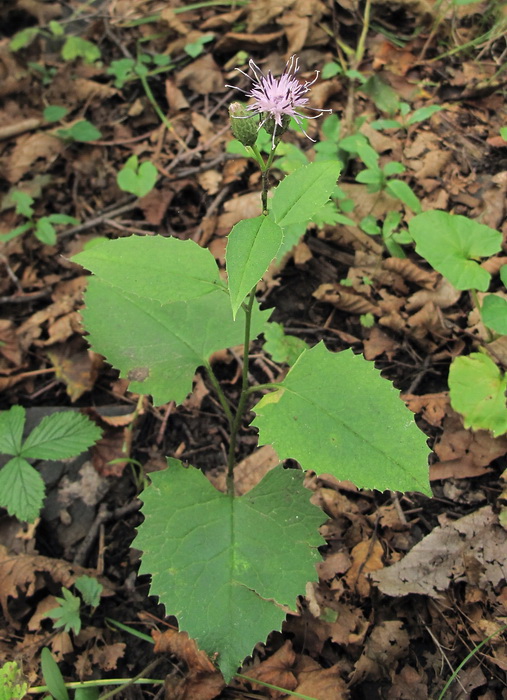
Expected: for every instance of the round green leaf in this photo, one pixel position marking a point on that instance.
(335, 414)
(477, 391)
(225, 566)
(494, 313)
(453, 244)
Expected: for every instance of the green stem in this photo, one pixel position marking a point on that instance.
(236, 424)
(261, 387)
(275, 687)
(221, 396)
(98, 684)
(131, 681)
(165, 121)
(361, 44)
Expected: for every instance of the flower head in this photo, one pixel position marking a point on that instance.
(278, 99)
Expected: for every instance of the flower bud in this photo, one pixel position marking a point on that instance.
(244, 124)
(274, 129)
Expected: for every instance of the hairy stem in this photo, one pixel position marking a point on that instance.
(236, 424)
(221, 396)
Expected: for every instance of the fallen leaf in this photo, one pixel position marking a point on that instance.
(276, 670)
(28, 149)
(366, 557)
(387, 643)
(439, 559)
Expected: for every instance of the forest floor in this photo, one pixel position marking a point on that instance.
(353, 635)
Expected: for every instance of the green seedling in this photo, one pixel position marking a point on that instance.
(82, 131)
(454, 246)
(58, 436)
(391, 237)
(76, 47)
(67, 615)
(43, 227)
(195, 48)
(407, 117)
(137, 179)
(12, 683)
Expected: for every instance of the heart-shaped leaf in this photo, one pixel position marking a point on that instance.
(225, 566)
(453, 244)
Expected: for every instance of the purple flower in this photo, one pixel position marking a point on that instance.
(278, 99)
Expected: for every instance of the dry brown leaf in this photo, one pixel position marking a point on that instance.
(387, 643)
(344, 299)
(443, 296)
(409, 683)
(210, 181)
(203, 681)
(236, 41)
(350, 627)
(246, 206)
(42, 11)
(19, 575)
(465, 453)
(202, 76)
(366, 557)
(28, 149)
(318, 682)
(9, 344)
(440, 558)
(276, 670)
(253, 468)
(88, 90)
(379, 343)
(433, 407)
(333, 565)
(412, 272)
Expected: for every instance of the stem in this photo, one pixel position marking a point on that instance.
(261, 387)
(131, 681)
(221, 396)
(236, 424)
(165, 121)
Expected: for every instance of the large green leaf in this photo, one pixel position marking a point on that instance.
(251, 246)
(335, 414)
(477, 391)
(452, 244)
(12, 423)
(158, 347)
(21, 489)
(302, 193)
(164, 269)
(60, 435)
(223, 565)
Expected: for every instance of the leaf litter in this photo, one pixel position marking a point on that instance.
(395, 566)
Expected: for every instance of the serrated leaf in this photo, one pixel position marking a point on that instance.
(494, 313)
(477, 391)
(304, 192)
(225, 565)
(251, 246)
(12, 683)
(452, 244)
(12, 423)
(90, 589)
(335, 414)
(162, 269)
(60, 436)
(67, 614)
(158, 347)
(21, 489)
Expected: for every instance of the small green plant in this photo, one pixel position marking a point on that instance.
(407, 117)
(12, 684)
(81, 131)
(454, 245)
(58, 436)
(392, 238)
(176, 310)
(137, 179)
(67, 615)
(43, 227)
(195, 48)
